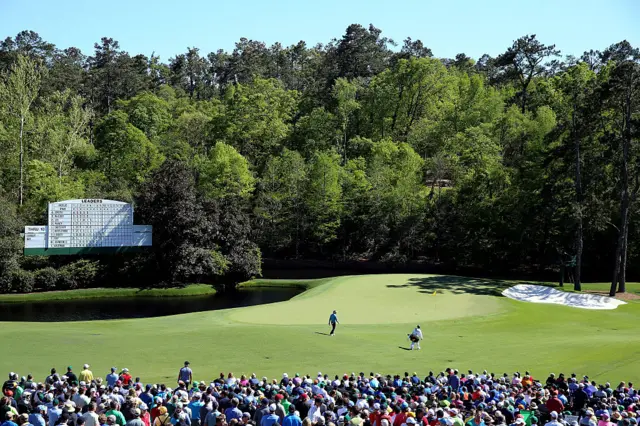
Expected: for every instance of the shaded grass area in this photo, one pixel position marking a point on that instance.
(300, 284)
(95, 293)
(520, 336)
(457, 285)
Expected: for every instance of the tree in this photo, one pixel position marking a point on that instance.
(258, 118)
(524, 61)
(361, 52)
(279, 206)
(148, 113)
(412, 90)
(61, 127)
(322, 197)
(624, 92)
(124, 152)
(168, 202)
(578, 84)
(344, 92)
(18, 93)
(225, 173)
(44, 186)
(10, 243)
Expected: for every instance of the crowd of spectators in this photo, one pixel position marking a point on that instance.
(442, 399)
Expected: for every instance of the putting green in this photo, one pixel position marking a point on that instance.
(372, 299)
(471, 326)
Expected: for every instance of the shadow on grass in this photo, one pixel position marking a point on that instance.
(403, 348)
(324, 334)
(457, 285)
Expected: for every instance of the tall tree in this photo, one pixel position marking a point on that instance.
(344, 92)
(18, 92)
(524, 61)
(625, 96)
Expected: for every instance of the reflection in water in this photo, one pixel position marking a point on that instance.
(138, 307)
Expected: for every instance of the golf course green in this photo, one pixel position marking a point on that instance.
(467, 325)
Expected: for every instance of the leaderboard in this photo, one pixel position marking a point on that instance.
(90, 223)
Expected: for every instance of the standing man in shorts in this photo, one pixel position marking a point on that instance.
(186, 375)
(333, 321)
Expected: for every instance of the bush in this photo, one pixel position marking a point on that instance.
(46, 279)
(23, 281)
(6, 282)
(80, 274)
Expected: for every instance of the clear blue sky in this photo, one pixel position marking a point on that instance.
(447, 26)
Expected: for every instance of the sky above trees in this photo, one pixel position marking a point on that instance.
(447, 27)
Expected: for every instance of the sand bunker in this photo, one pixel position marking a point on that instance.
(542, 294)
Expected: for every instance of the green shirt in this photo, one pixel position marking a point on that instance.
(286, 405)
(119, 417)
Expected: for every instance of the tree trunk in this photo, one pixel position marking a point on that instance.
(21, 191)
(621, 256)
(622, 279)
(579, 231)
(624, 215)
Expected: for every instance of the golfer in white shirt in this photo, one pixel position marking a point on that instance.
(415, 337)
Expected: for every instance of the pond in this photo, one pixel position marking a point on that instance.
(139, 307)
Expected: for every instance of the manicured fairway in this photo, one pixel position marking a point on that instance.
(466, 325)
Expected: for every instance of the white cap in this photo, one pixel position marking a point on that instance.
(85, 366)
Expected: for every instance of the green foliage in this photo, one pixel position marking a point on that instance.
(322, 198)
(47, 279)
(22, 281)
(148, 113)
(45, 186)
(280, 201)
(257, 117)
(225, 173)
(125, 154)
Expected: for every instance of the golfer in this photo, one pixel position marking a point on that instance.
(333, 321)
(415, 337)
(185, 375)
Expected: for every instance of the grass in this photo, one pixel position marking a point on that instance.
(466, 326)
(94, 293)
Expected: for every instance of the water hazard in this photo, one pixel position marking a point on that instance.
(139, 307)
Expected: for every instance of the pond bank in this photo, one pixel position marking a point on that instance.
(105, 293)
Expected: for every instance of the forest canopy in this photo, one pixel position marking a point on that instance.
(361, 149)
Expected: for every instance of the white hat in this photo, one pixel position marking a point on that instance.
(411, 421)
(554, 415)
(85, 366)
(272, 408)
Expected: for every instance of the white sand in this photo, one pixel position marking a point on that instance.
(542, 294)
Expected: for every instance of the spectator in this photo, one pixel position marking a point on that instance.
(86, 375)
(233, 412)
(114, 411)
(90, 417)
(270, 419)
(163, 418)
(36, 418)
(292, 418)
(8, 419)
(135, 418)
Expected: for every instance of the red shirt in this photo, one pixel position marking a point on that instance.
(146, 418)
(400, 418)
(374, 418)
(126, 379)
(554, 404)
